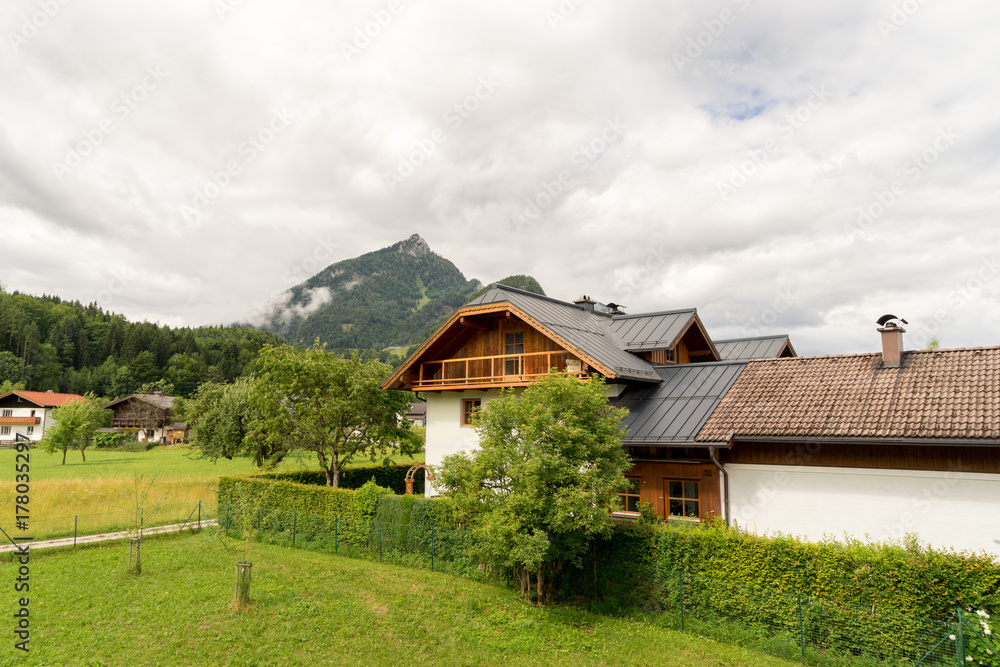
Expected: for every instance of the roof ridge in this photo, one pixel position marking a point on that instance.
(516, 290)
(732, 340)
(655, 313)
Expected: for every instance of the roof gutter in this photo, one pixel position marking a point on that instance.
(725, 475)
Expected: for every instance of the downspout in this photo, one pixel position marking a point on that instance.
(725, 476)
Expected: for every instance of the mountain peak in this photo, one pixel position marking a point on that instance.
(414, 246)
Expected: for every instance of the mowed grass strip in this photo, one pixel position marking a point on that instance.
(100, 491)
(311, 609)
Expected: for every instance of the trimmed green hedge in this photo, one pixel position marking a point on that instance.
(906, 578)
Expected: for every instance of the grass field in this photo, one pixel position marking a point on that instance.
(98, 493)
(310, 609)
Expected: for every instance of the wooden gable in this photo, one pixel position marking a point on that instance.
(489, 347)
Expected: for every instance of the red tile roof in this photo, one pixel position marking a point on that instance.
(46, 399)
(938, 394)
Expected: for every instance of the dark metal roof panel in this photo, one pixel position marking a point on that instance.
(674, 410)
(652, 330)
(591, 332)
(763, 347)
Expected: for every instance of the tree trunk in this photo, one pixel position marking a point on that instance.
(83, 453)
(336, 474)
(541, 584)
(64, 455)
(329, 479)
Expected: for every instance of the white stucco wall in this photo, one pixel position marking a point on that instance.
(946, 509)
(445, 433)
(37, 430)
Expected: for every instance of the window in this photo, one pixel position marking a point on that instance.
(32, 413)
(682, 499)
(469, 407)
(513, 344)
(7, 413)
(4, 430)
(31, 430)
(630, 497)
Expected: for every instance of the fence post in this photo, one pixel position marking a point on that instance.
(336, 534)
(199, 515)
(960, 644)
(74, 530)
(802, 634)
(432, 549)
(227, 520)
(380, 541)
(680, 579)
(258, 518)
(295, 521)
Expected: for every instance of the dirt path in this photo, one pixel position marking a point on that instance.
(104, 537)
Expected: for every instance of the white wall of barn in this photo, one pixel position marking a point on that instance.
(946, 509)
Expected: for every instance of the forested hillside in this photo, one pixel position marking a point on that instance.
(47, 343)
(391, 297)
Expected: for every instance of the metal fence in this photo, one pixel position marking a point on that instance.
(796, 627)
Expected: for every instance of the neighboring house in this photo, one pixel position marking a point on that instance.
(178, 433)
(872, 446)
(149, 416)
(26, 414)
(417, 413)
(663, 366)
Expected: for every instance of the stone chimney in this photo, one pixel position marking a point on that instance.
(892, 344)
(587, 303)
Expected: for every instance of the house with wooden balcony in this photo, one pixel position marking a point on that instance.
(24, 415)
(148, 416)
(663, 366)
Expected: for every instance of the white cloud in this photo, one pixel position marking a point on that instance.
(645, 218)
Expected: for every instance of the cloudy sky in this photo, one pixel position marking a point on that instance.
(799, 167)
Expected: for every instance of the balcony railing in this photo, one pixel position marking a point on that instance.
(500, 370)
(21, 420)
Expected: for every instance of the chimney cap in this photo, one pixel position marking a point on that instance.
(888, 321)
(583, 298)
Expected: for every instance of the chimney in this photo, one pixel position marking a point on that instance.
(892, 344)
(586, 302)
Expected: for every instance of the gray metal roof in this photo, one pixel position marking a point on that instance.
(593, 333)
(761, 347)
(652, 331)
(673, 411)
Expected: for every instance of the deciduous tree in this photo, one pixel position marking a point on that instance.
(540, 487)
(74, 426)
(330, 405)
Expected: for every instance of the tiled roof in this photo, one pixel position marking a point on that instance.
(673, 411)
(939, 394)
(760, 347)
(592, 333)
(46, 399)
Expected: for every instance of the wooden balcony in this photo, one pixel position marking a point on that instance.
(30, 421)
(494, 371)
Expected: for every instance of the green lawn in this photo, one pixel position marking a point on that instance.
(165, 462)
(310, 609)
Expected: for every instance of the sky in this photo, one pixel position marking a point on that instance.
(785, 167)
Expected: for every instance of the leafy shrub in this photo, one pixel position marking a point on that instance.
(111, 440)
